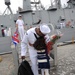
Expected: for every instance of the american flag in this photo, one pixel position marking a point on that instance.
(15, 39)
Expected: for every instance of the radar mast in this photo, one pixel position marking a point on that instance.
(7, 3)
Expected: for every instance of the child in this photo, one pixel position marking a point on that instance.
(43, 54)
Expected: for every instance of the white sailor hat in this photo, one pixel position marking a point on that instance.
(45, 29)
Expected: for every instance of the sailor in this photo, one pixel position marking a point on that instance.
(5, 31)
(20, 26)
(28, 39)
(2, 30)
(62, 24)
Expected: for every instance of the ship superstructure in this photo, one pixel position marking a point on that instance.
(33, 11)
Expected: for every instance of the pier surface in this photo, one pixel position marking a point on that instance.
(66, 62)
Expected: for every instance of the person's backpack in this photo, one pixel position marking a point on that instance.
(25, 69)
(39, 44)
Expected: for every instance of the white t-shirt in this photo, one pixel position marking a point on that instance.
(20, 22)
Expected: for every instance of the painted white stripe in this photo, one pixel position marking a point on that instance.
(44, 60)
(42, 55)
(41, 51)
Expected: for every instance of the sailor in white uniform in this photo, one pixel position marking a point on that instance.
(20, 26)
(28, 39)
(62, 24)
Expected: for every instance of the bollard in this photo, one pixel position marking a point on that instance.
(0, 58)
(72, 40)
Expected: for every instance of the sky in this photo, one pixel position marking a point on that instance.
(18, 3)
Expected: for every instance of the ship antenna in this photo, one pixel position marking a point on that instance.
(7, 2)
